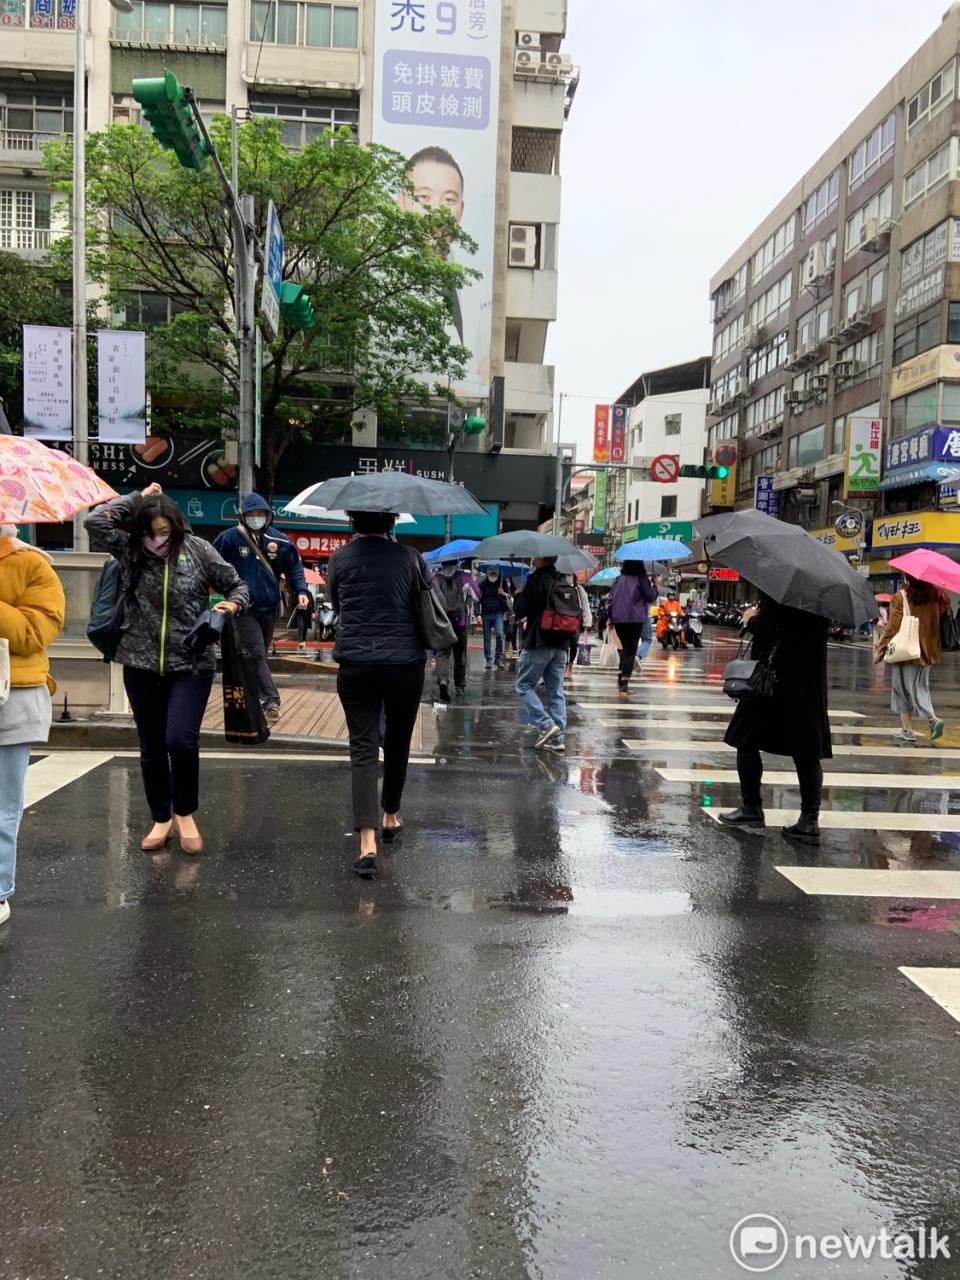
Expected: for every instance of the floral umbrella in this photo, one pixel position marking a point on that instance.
(39, 485)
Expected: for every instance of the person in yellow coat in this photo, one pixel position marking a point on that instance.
(31, 618)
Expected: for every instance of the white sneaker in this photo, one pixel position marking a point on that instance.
(547, 736)
(4, 911)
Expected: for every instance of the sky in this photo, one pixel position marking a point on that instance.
(658, 187)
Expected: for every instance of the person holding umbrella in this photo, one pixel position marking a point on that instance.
(926, 601)
(631, 596)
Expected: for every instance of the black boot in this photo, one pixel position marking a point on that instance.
(806, 830)
(746, 817)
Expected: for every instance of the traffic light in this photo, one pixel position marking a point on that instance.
(689, 471)
(475, 425)
(295, 306)
(169, 112)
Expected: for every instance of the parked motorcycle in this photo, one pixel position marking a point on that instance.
(327, 621)
(694, 627)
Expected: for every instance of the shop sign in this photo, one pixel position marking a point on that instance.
(836, 541)
(765, 497)
(862, 470)
(849, 524)
(320, 544)
(674, 530)
(933, 444)
(922, 271)
(916, 528)
(724, 575)
(931, 366)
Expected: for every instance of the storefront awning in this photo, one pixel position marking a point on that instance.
(923, 473)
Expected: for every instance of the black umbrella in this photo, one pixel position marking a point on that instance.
(387, 491)
(785, 563)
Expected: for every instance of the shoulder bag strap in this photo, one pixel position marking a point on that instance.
(906, 604)
(255, 548)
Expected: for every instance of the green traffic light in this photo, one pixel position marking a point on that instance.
(296, 306)
(168, 110)
(475, 425)
(721, 473)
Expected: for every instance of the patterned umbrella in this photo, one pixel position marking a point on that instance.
(39, 485)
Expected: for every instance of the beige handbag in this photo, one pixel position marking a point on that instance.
(905, 645)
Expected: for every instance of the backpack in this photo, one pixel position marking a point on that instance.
(450, 592)
(105, 628)
(563, 615)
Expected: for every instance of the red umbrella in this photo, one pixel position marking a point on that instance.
(930, 566)
(314, 578)
(883, 597)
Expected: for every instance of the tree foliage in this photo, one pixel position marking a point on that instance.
(379, 277)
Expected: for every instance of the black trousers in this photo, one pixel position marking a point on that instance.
(167, 710)
(367, 692)
(629, 634)
(459, 651)
(809, 775)
(304, 619)
(255, 633)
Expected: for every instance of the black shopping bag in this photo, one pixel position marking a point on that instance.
(243, 719)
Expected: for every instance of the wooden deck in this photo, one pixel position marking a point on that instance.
(304, 713)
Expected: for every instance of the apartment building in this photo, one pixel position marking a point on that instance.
(313, 65)
(845, 303)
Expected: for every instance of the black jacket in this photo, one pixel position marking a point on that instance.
(794, 721)
(491, 601)
(530, 604)
(371, 584)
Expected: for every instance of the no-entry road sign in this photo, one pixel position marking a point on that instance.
(665, 468)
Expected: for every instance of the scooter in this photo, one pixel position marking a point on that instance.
(836, 632)
(694, 627)
(672, 634)
(327, 621)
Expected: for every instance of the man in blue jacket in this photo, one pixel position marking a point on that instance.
(262, 555)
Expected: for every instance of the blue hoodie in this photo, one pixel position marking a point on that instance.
(277, 548)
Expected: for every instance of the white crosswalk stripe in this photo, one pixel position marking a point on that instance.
(941, 985)
(787, 778)
(706, 723)
(718, 747)
(51, 772)
(869, 882)
(859, 820)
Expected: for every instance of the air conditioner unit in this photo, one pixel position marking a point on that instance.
(869, 231)
(713, 408)
(794, 398)
(526, 62)
(522, 249)
(819, 381)
(834, 335)
(859, 320)
(560, 62)
(843, 368)
(752, 337)
(528, 40)
(815, 264)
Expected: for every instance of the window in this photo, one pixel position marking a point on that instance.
(764, 412)
(184, 24)
(730, 291)
(919, 335)
(932, 98)
(771, 303)
(950, 402)
(922, 271)
(839, 434)
(24, 219)
(668, 505)
(806, 448)
(953, 322)
(929, 174)
(912, 413)
(671, 424)
(854, 296)
(814, 326)
(821, 203)
(767, 358)
(126, 110)
(144, 310)
(775, 248)
(727, 385)
(880, 207)
(29, 119)
(304, 119)
(726, 340)
(317, 26)
(725, 429)
(878, 284)
(866, 351)
(45, 15)
(872, 151)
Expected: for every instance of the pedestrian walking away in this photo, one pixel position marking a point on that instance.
(167, 577)
(303, 616)
(910, 679)
(382, 661)
(31, 616)
(493, 611)
(455, 588)
(578, 642)
(262, 555)
(791, 721)
(546, 648)
(629, 610)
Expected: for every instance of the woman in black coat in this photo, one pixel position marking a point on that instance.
(793, 722)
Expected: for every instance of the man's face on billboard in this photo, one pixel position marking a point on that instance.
(435, 186)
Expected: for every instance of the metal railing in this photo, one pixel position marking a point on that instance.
(25, 237)
(185, 39)
(27, 139)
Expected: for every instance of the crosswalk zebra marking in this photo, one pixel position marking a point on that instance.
(864, 882)
(718, 747)
(945, 782)
(618, 722)
(941, 985)
(721, 710)
(59, 769)
(859, 820)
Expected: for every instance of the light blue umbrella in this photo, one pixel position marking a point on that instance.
(653, 549)
(605, 578)
(459, 549)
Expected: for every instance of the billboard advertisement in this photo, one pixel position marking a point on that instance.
(121, 386)
(862, 471)
(600, 503)
(437, 101)
(618, 433)
(47, 386)
(601, 433)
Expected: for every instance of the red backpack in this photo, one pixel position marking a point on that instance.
(563, 616)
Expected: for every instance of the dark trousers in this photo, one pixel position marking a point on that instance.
(809, 775)
(459, 652)
(629, 634)
(304, 618)
(168, 710)
(254, 630)
(367, 692)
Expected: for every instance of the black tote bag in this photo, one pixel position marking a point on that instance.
(435, 628)
(244, 723)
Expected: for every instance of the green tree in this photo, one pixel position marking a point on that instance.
(30, 293)
(379, 278)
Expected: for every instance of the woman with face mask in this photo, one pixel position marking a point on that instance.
(31, 615)
(168, 575)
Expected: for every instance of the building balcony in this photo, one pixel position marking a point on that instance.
(535, 197)
(539, 104)
(40, 50)
(531, 294)
(28, 242)
(20, 148)
(303, 67)
(529, 388)
(191, 41)
(549, 17)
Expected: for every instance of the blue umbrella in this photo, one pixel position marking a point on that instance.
(459, 549)
(605, 578)
(509, 568)
(653, 549)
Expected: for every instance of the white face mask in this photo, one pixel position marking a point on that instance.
(448, 570)
(256, 523)
(491, 577)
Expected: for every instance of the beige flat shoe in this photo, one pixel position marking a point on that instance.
(151, 844)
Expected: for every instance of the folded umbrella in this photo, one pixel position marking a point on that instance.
(784, 562)
(527, 544)
(387, 491)
(930, 566)
(653, 549)
(39, 485)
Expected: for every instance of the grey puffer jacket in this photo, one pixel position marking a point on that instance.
(163, 600)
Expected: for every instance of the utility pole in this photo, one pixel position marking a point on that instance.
(558, 475)
(81, 452)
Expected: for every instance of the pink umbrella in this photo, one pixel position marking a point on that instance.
(930, 566)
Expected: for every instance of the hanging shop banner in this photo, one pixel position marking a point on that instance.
(862, 472)
(437, 101)
(765, 497)
(47, 372)
(601, 433)
(618, 433)
(121, 387)
(600, 502)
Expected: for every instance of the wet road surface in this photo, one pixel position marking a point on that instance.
(576, 1030)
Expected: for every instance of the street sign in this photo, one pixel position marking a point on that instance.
(665, 468)
(849, 524)
(725, 455)
(273, 272)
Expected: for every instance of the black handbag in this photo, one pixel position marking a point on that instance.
(243, 720)
(750, 679)
(433, 624)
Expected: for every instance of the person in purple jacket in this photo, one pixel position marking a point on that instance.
(630, 600)
(455, 587)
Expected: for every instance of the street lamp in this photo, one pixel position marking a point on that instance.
(79, 228)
